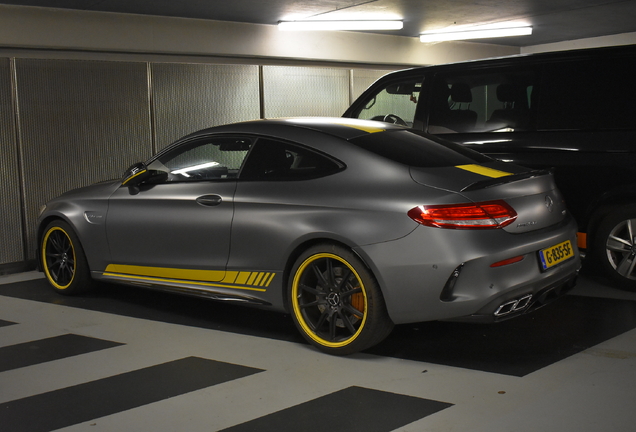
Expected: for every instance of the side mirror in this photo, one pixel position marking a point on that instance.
(139, 173)
(135, 175)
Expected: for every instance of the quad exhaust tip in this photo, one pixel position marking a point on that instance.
(513, 306)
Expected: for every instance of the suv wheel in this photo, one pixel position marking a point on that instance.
(615, 247)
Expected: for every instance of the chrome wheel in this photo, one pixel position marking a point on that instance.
(614, 247)
(621, 248)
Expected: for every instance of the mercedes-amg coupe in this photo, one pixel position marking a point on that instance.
(350, 226)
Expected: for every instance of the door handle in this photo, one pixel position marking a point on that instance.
(209, 200)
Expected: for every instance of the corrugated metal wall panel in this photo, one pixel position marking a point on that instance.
(189, 97)
(10, 221)
(81, 122)
(305, 91)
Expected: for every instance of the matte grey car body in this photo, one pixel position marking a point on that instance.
(319, 218)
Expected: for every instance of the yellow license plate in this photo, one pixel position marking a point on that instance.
(556, 254)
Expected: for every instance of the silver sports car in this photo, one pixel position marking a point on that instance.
(351, 226)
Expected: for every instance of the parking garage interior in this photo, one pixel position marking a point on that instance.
(88, 90)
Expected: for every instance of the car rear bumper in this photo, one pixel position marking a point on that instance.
(519, 303)
(438, 274)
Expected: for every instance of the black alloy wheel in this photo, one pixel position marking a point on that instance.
(336, 303)
(63, 260)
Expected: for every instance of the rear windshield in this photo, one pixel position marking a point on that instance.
(416, 149)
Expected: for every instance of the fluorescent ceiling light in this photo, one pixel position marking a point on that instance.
(475, 33)
(340, 25)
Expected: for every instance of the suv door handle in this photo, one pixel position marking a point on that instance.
(209, 200)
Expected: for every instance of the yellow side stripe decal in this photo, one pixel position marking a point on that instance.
(197, 275)
(262, 279)
(482, 170)
(216, 278)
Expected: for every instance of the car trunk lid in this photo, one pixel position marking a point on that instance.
(532, 194)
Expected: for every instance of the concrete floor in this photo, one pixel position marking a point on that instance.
(135, 360)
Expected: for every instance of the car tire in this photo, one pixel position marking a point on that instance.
(614, 247)
(336, 302)
(63, 259)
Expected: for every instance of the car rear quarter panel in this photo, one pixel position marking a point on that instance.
(355, 207)
(412, 271)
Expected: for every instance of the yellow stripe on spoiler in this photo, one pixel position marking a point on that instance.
(363, 125)
(482, 170)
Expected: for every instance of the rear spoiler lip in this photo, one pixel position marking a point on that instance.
(484, 184)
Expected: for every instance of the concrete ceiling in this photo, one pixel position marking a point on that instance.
(552, 20)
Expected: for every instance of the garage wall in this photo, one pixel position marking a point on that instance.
(310, 91)
(82, 121)
(189, 97)
(10, 182)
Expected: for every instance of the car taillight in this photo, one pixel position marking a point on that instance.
(483, 215)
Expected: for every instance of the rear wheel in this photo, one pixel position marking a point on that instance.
(63, 260)
(336, 302)
(615, 247)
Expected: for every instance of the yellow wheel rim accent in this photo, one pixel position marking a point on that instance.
(358, 301)
(45, 264)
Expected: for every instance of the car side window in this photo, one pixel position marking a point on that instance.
(276, 160)
(394, 103)
(213, 158)
(494, 101)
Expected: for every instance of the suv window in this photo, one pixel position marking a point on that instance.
(395, 103)
(276, 160)
(482, 102)
(582, 95)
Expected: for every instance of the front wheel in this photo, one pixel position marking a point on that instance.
(615, 247)
(335, 301)
(63, 260)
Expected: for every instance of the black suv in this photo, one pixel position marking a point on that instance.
(571, 111)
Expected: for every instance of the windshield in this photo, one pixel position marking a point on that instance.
(396, 103)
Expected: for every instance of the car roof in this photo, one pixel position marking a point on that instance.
(344, 128)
